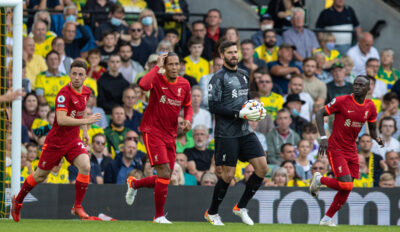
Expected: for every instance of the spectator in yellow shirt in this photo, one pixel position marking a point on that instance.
(43, 110)
(268, 51)
(35, 64)
(196, 66)
(32, 154)
(272, 101)
(58, 174)
(332, 55)
(49, 83)
(42, 38)
(294, 180)
(25, 171)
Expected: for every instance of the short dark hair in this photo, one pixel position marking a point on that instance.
(309, 128)
(79, 64)
(44, 104)
(226, 44)
(52, 52)
(94, 51)
(55, 40)
(216, 10)
(97, 135)
(247, 41)
(107, 33)
(31, 144)
(390, 96)
(195, 40)
(371, 60)
(171, 31)
(268, 30)
(365, 135)
(387, 119)
(371, 78)
(198, 22)
(170, 54)
(285, 145)
(124, 44)
(115, 107)
(309, 59)
(117, 8)
(261, 70)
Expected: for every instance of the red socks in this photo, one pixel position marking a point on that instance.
(338, 202)
(160, 195)
(147, 182)
(81, 185)
(330, 182)
(28, 185)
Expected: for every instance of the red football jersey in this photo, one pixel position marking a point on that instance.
(165, 103)
(74, 104)
(350, 117)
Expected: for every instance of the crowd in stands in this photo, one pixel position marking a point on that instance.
(293, 71)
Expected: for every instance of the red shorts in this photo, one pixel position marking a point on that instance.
(51, 156)
(344, 163)
(159, 151)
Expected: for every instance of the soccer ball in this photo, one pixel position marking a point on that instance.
(252, 104)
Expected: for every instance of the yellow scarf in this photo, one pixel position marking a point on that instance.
(172, 8)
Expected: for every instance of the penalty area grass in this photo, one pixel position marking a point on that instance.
(35, 225)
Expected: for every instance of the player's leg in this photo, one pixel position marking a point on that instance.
(82, 162)
(161, 191)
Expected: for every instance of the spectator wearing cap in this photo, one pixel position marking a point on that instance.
(115, 23)
(249, 62)
(340, 17)
(266, 23)
(371, 69)
(268, 50)
(361, 52)
(213, 20)
(296, 87)
(387, 73)
(140, 48)
(73, 46)
(294, 104)
(199, 29)
(312, 85)
(282, 69)
(304, 39)
(338, 86)
(390, 108)
(129, 68)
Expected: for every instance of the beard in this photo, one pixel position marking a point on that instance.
(270, 44)
(125, 59)
(232, 62)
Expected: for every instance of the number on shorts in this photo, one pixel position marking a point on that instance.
(82, 145)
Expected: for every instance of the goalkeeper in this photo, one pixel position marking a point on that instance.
(228, 90)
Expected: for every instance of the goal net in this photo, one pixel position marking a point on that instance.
(10, 112)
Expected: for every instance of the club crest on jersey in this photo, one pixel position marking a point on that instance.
(366, 114)
(61, 99)
(347, 122)
(179, 92)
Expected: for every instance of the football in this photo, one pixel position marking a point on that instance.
(252, 104)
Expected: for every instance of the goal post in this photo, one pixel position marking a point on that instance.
(15, 8)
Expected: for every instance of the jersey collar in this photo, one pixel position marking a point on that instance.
(170, 83)
(73, 90)
(352, 97)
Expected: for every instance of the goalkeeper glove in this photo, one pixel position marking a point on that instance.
(263, 114)
(249, 114)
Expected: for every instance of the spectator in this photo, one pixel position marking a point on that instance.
(387, 181)
(390, 109)
(115, 24)
(148, 170)
(282, 69)
(199, 157)
(310, 134)
(58, 175)
(42, 4)
(265, 125)
(319, 166)
(42, 40)
(213, 20)
(92, 103)
(95, 70)
(35, 64)
(208, 179)
(153, 33)
(248, 171)
(371, 158)
(393, 166)
(164, 46)
(58, 45)
(268, 50)
(304, 39)
(288, 152)
(371, 69)
(377, 101)
(348, 68)
(129, 68)
(192, 81)
(117, 171)
(320, 73)
(266, 23)
(172, 36)
(150, 64)
(177, 177)
(133, 117)
(340, 17)
(304, 148)
(30, 110)
(280, 135)
(200, 116)
(199, 30)
(362, 51)
(50, 82)
(98, 149)
(332, 55)
(293, 104)
(232, 34)
(96, 176)
(140, 48)
(387, 128)
(196, 66)
(109, 47)
(73, 45)
(204, 80)
(111, 85)
(279, 178)
(249, 62)
(387, 73)
(132, 135)
(294, 180)
(101, 9)
(281, 11)
(181, 159)
(260, 136)
(296, 87)
(183, 140)
(272, 101)
(116, 131)
(43, 110)
(338, 86)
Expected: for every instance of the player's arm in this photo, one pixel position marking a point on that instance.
(187, 111)
(64, 120)
(373, 134)
(146, 83)
(323, 144)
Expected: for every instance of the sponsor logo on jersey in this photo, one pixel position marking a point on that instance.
(243, 92)
(170, 101)
(349, 123)
(61, 99)
(234, 93)
(164, 87)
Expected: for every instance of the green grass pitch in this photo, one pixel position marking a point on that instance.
(145, 226)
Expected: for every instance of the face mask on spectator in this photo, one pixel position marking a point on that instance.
(70, 18)
(330, 46)
(266, 27)
(295, 112)
(116, 22)
(147, 21)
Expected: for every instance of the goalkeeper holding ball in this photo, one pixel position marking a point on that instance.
(228, 90)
